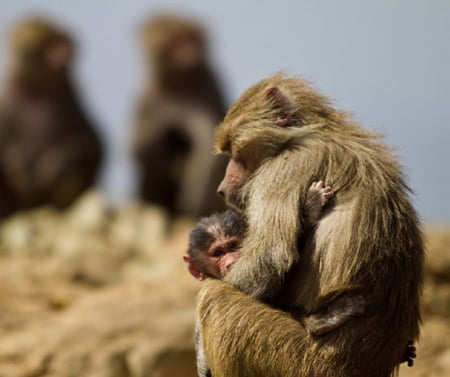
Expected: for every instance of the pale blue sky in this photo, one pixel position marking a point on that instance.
(387, 62)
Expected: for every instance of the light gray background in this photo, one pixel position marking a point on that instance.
(387, 62)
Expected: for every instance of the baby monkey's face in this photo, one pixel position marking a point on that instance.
(221, 256)
(215, 245)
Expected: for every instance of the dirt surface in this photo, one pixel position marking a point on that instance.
(104, 293)
(95, 292)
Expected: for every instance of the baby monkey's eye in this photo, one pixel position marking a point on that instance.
(218, 252)
(233, 246)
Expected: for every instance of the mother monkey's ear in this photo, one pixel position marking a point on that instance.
(281, 106)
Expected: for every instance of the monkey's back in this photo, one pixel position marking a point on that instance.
(368, 242)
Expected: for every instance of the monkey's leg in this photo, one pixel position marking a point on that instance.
(244, 337)
(339, 311)
(202, 364)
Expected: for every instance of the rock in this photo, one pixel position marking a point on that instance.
(95, 292)
(140, 229)
(27, 232)
(127, 329)
(436, 300)
(438, 254)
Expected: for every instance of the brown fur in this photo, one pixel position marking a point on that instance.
(214, 245)
(49, 151)
(369, 242)
(176, 119)
(219, 236)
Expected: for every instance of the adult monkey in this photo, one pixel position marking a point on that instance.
(176, 119)
(281, 135)
(50, 152)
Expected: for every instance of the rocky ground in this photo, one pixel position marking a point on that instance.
(96, 292)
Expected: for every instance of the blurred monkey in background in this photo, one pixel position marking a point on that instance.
(49, 150)
(175, 123)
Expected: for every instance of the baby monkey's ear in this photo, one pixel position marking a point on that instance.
(192, 267)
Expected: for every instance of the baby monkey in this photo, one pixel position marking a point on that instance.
(214, 246)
